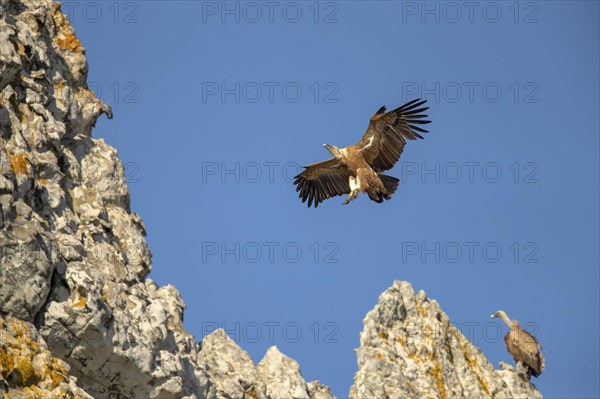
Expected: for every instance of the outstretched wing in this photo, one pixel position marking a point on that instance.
(525, 349)
(384, 140)
(322, 180)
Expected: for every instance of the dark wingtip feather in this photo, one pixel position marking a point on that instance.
(412, 104)
(408, 104)
(418, 129)
(412, 112)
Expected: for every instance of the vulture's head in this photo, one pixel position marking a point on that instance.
(502, 315)
(333, 150)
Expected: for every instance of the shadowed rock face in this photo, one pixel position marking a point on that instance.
(74, 263)
(409, 349)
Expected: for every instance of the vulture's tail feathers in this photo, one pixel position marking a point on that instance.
(390, 183)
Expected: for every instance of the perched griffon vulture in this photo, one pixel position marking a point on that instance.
(358, 168)
(522, 346)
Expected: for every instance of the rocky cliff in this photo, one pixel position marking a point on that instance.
(78, 316)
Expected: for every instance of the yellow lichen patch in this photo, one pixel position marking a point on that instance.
(80, 302)
(69, 42)
(438, 376)
(379, 356)
(34, 346)
(7, 362)
(20, 328)
(31, 372)
(58, 373)
(410, 352)
(472, 364)
(56, 378)
(401, 340)
(20, 164)
(65, 37)
(382, 334)
(422, 310)
(252, 393)
(42, 182)
(414, 357)
(24, 372)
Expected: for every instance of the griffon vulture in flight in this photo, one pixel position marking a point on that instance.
(358, 168)
(522, 346)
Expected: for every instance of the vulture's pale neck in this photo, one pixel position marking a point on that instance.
(504, 317)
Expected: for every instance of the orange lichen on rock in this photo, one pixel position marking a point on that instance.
(29, 369)
(6, 362)
(401, 340)
(472, 364)
(65, 35)
(439, 380)
(80, 302)
(20, 164)
(252, 393)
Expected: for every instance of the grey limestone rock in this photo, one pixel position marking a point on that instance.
(73, 256)
(232, 373)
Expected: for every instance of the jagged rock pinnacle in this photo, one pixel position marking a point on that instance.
(409, 349)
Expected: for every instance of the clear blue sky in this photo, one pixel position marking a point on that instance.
(498, 206)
